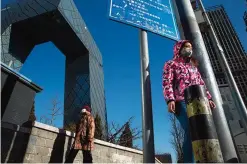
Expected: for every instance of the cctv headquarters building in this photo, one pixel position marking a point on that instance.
(25, 24)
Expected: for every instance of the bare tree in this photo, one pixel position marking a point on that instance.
(54, 111)
(45, 120)
(115, 133)
(70, 127)
(177, 137)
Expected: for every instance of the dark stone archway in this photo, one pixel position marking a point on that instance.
(31, 22)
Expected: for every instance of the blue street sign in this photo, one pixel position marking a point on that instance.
(152, 15)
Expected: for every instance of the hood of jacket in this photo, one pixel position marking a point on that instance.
(177, 49)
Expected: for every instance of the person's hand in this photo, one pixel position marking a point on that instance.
(77, 145)
(90, 139)
(212, 104)
(171, 107)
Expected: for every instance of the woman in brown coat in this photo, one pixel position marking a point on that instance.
(84, 137)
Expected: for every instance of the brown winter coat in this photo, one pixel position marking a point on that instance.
(87, 121)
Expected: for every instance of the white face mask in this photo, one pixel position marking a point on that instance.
(83, 111)
(186, 52)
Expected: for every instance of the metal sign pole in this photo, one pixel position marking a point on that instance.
(147, 114)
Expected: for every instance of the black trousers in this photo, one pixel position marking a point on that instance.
(87, 156)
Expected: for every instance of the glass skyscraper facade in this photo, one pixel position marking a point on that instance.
(25, 24)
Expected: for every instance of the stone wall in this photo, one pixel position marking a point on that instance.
(43, 143)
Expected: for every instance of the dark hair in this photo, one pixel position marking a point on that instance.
(194, 61)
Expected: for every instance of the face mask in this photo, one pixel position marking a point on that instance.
(186, 52)
(83, 111)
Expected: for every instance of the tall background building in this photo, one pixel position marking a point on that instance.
(237, 61)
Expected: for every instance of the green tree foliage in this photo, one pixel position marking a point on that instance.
(98, 127)
(126, 138)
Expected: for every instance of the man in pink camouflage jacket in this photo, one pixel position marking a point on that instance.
(179, 74)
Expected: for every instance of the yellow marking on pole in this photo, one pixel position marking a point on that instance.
(207, 150)
(197, 107)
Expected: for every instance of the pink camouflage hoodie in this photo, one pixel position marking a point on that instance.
(179, 74)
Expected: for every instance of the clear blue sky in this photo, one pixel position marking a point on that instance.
(119, 45)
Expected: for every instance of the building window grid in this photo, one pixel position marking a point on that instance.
(216, 25)
(211, 53)
(218, 66)
(80, 92)
(227, 42)
(222, 32)
(208, 47)
(96, 95)
(244, 95)
(221, 81)
(98, 105)
(101, 83)
(81, 96)
(229, 59)
(244, 88)
(224, 81)
(68, 99)
(245, 78)
(94, 76)
(236, 42)
(211, 49)
(97, 76)
(72, 96)
(93, 88)
(96, 64)
(242, 66)
(244, 58)
(241, 85)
